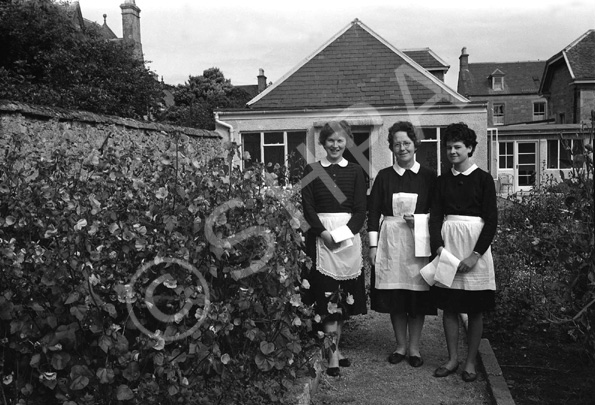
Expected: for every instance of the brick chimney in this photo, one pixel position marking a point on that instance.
(463, 71)
(131, 26)
(262, 80)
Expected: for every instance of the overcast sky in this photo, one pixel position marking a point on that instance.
(184, 37)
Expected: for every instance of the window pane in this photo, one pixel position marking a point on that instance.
(274, 155)
(429, 133)
(360, 137)
(526, 159)
(509, 160)
(251, 144)
(526, 148)
(565, 157)
(296, 161)
(552, 154)
(273, 137)
(427, 155)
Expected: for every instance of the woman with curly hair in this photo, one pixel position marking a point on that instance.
(463, 220)
(399, 192)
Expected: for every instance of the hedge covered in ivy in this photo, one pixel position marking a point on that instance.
(136, 271)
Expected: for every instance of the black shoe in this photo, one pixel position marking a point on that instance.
(469, 377)
(396, 358)
(333, 371)
(444, 372)
(415, 361)
(345, 362)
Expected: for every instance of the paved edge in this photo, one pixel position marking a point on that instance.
(496, 383)
(305, 387)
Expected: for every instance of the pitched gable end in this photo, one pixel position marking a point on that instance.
(356, 66)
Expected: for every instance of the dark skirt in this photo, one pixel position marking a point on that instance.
(399, 301)
(321, 285)
(464, 301)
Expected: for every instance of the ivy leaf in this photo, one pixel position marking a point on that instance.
(35, 360)
(264, 363)
(124, 393)
(79, 383)
(60, 360)
(111, 310)
(73, 297)
(132, 372)
(105, 375)
(79, 311)
(267, 347)
(105, 342)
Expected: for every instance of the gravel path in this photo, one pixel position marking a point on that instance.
(367, 341)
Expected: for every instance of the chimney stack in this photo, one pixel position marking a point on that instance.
(464, 76)
(464, 59)
(131, 26)
(262, 80)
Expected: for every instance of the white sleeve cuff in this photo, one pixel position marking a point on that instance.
(373, 237)
(342, 233)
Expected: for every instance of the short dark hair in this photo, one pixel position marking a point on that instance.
(404, 126)
(339, 127)
(460, 132)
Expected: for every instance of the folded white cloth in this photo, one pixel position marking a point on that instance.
(441, 270)
(447, 268)
(421, 234)
(341, 233)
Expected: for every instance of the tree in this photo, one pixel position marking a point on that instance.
(45, 59)
(196, 100)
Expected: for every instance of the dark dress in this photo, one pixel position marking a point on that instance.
(471, 195)
(387, 182)
(320, 196)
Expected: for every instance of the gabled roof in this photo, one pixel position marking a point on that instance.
(578, 58)
(427, 59)
(356, 66)
(519, 78)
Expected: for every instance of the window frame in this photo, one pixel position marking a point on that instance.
(562, 154)
(262, 145)
(497, 83)
(540, 116)
(500, 119)
(504, 158)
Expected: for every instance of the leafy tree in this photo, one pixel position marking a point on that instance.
(196, 100)
(45, 59)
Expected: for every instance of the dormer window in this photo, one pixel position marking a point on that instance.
(497, 77)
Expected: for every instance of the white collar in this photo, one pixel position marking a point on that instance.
(325, 163)
(400, 171)
(466, 172)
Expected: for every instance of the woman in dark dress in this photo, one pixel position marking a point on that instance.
(399, 192)
(334, 204)
(463, 220)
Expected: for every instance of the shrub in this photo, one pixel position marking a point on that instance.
(138, 275)
(545, 258)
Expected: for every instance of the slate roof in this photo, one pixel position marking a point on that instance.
(426, 58)
(356, 66)
(578, 57)
(519, 78)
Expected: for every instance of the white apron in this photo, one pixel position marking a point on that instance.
(345, 264)
(396, 265)
(460, 234)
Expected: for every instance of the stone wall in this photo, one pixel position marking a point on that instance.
(46, 130)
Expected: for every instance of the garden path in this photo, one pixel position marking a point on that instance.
(368, 340)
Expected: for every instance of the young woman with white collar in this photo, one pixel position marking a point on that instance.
(334, 204)
(463, 220)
